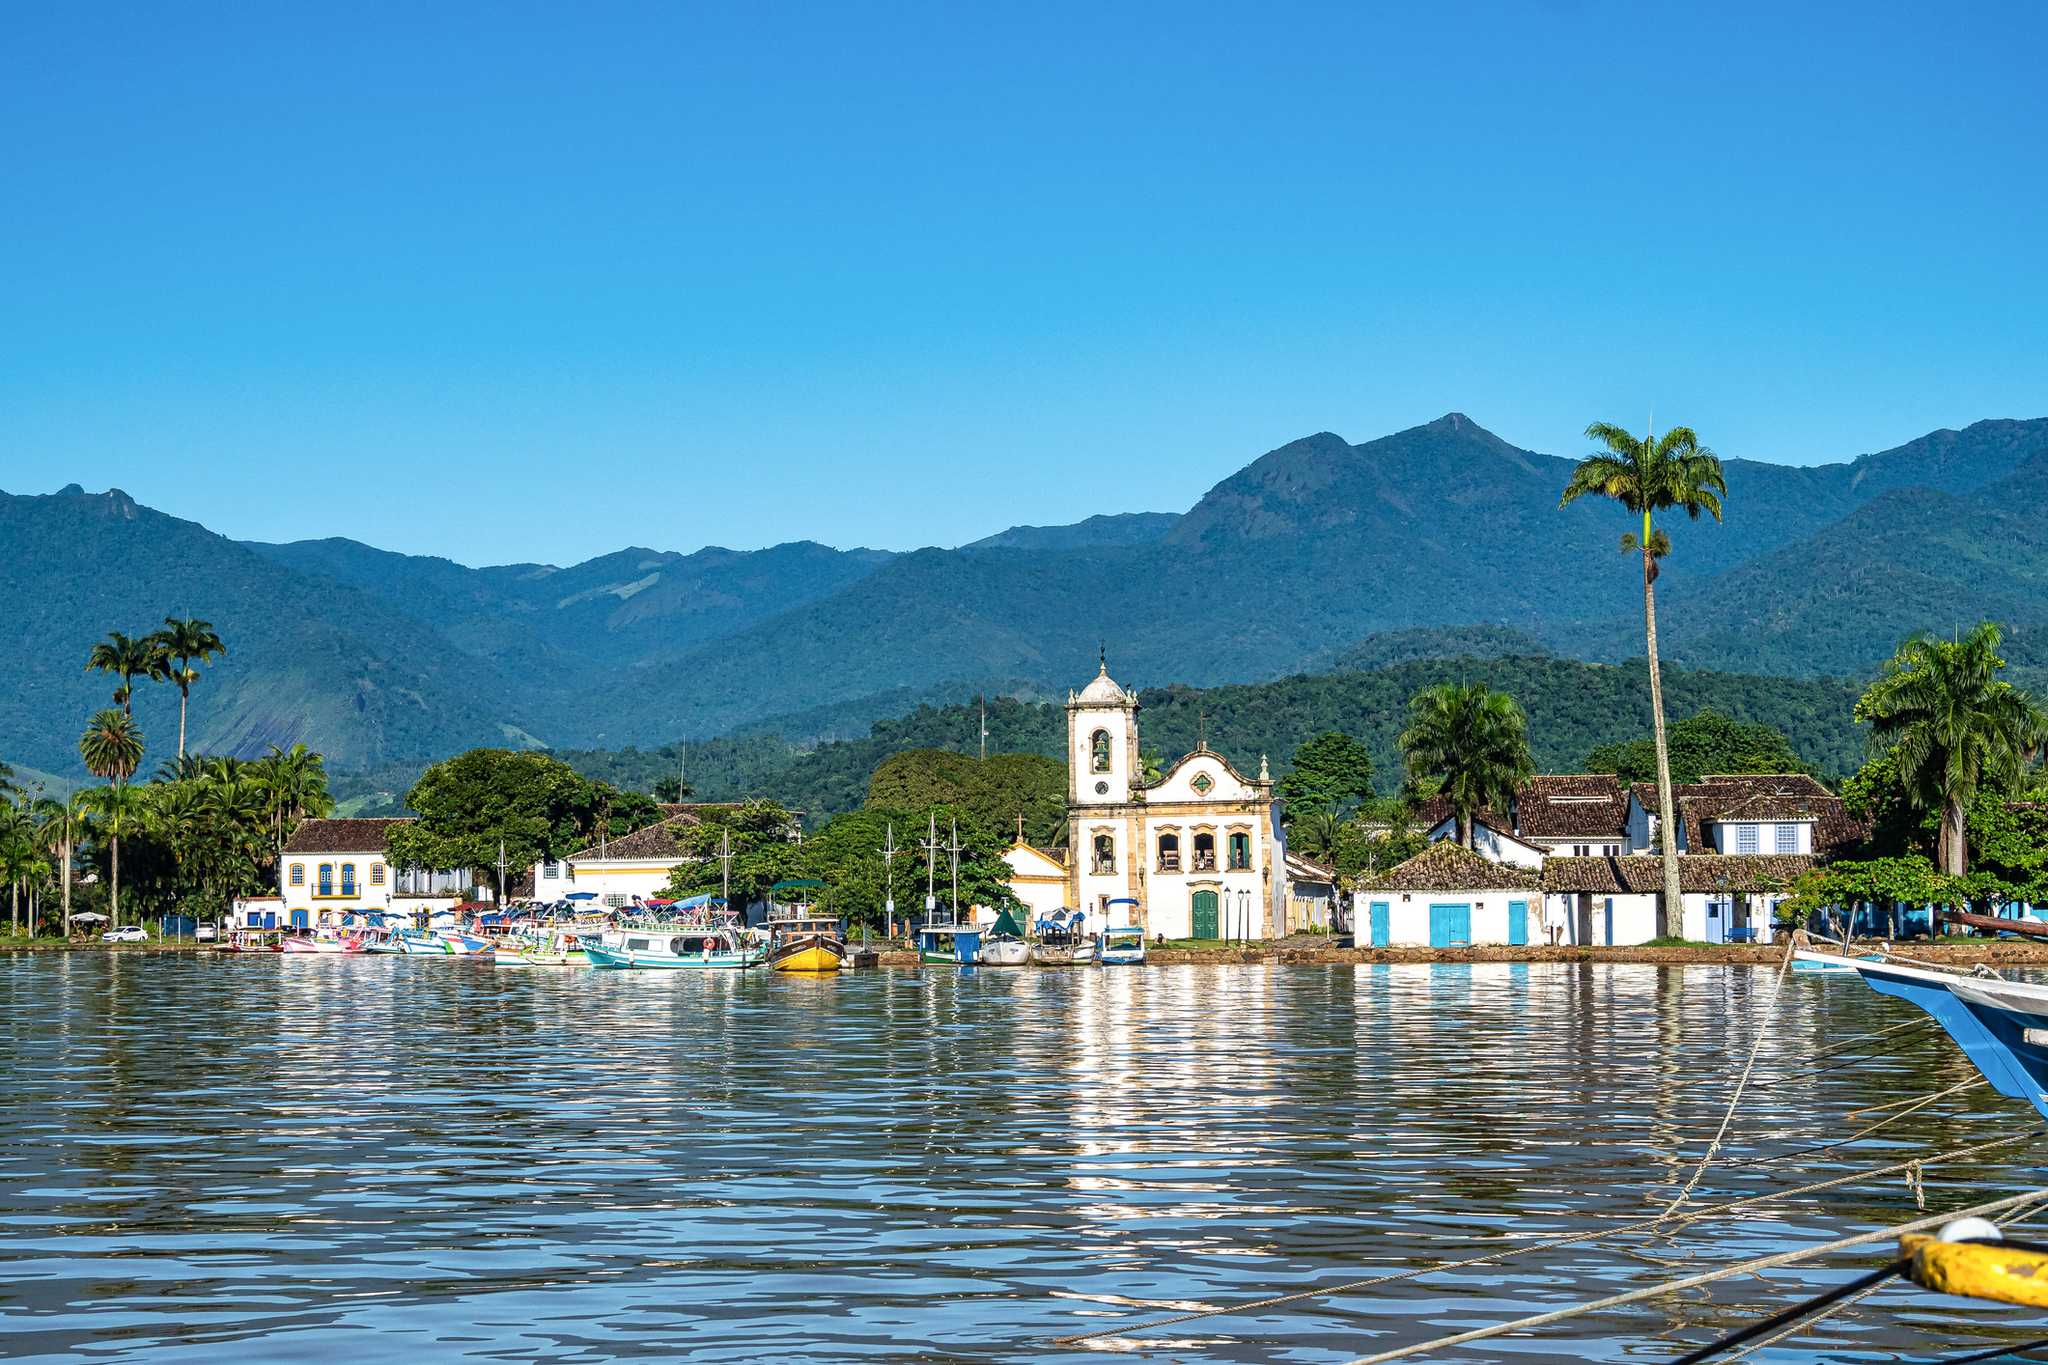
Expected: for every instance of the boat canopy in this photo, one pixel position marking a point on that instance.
(581, 896)
(1006, 924)
(702, 901)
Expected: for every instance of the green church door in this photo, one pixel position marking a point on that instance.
(1205, 915)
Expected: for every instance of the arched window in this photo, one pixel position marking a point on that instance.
(1240, 852)
(1169, 853)
(298, 874)
(1205, 852)
(348, 879)
(326, 886)
(1099, 748)
(1105, 853)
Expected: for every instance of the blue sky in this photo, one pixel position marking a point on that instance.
(537, 281)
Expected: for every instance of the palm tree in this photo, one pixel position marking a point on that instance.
(129, 658)
(1940, 707)
(294, 781)
(118, 812)
(18, 855)
(112, 749)
(1313, 830)
(1647, 476)
(184, 641)
(1473, 742)
(61, 827)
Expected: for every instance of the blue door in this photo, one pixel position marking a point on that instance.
(1450, 926)
(299, 920)
(1382, 929)
(1717, 921)
(1610, 922)
(1518, 922)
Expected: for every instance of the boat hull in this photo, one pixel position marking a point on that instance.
(1005, 952)
(540, 957)
(808, 953)
(1063, 955)
(640, 959)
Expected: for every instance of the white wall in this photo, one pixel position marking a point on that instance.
(1490, 844)
(1727, 836)
(371, 891)
(1408, 918)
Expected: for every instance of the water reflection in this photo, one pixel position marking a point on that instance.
(255, 1158)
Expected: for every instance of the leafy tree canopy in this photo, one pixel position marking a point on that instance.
(536, 805)
(1707, 742)
(991, 793)
(1331, 772)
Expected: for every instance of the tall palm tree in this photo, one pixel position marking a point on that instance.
(185, 641)
(1647, 476)
(1473, 742)
(112, 749)
(294, 781)
(118, 812)
(1940, 706)
(129, 658)
(61, 826)
(18, 856)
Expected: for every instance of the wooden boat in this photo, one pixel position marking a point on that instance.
(800, 940)
(560, 948)
(944, 942)
(423, 943)
(1004, 945)
(678, 948)
(251, 941)
(1805, 964)
(2001, 1026)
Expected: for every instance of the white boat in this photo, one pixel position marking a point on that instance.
(1063, 941)
(678, 948)
(541, 948)
(1004, 950)
(1122, 946)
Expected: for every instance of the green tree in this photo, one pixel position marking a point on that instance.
(116, 812)
(992, 793)
(129, 658)
(1332, 772)
(1647, 476)
(745, 848)
(184, 642)
(1876, 794)
(1706, 742)
(1955, 726)
(1471, 743)
(294, 784)
(470, 806)
(111, 746)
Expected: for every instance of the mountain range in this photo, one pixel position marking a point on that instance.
(1439, 541)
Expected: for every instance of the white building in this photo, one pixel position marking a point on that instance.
(333, 871)
(1613, 901)
(1196, 854)
(1038, 878)
(1490, 841)
(1787, 814)
(1447, 896)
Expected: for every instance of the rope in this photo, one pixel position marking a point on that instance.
(1881, 1108)
(1796, 1316)
(1701, 1215)
(2024, 1348)
(1735, 1100)
(1695, 1281)
(1858, 1135)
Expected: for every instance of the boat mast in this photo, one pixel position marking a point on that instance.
(931, 865)
(956, 869)
(725, 868)
(889, 852)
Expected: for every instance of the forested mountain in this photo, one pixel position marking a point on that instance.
(1439, 540)
(1573, 708)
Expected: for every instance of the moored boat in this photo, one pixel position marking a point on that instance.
(800, 940)
(944, 942)
(678, 948)
(1122, 946)
(1005, 946)
(556, 948)
(1062, 941)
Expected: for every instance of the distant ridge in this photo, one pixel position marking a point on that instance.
(1376, 554)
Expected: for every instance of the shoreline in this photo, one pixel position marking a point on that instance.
(1992, 951)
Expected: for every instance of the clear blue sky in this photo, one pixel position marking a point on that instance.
(535, 281)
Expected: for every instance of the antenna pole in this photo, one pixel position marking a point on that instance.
(889, 873)
(956, 869)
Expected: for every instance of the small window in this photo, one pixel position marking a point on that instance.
(551, 870)
(1205, 852)
(1787, 840)
(1105, 853)
(614, 899)
(1745, 839)
(376, 874)
(1240, 852)
(1169, 853)
(326, 886)
(298, 874)
(1202, 784)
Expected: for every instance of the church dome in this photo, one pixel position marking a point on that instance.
(1103, 691)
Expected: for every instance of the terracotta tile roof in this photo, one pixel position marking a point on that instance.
(1301, 867)
(1446, 866)
(1572, 806)
(657, 841)
(1699, 872)
(342, 836)
(1758, 796)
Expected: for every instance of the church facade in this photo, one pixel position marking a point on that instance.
(1196, 853)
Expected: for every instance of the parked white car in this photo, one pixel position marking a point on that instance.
(205, 933)
(127, 933)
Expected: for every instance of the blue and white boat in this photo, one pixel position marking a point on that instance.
(2001, 1026)
(422, 943)
(1122, 946)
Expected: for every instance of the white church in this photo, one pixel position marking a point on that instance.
(1196, 853)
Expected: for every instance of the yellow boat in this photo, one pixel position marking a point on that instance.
(799, 939)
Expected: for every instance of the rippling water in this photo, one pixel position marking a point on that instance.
(264, 1158)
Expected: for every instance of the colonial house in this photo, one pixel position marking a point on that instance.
(1574, 814)
(1038, 878)
(1195, 853)
(1787, 814)
(1311, 895)
(1726, 898)
(1447, 896)
(619, 871)
(332, 871)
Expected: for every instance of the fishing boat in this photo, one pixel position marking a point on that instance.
(943, 941)
(678, 948)
(2001, 1026)
(541, 948)
(423, 943)
(1063, 941)
(1005, 946)
(801, 940)
(251, 941)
